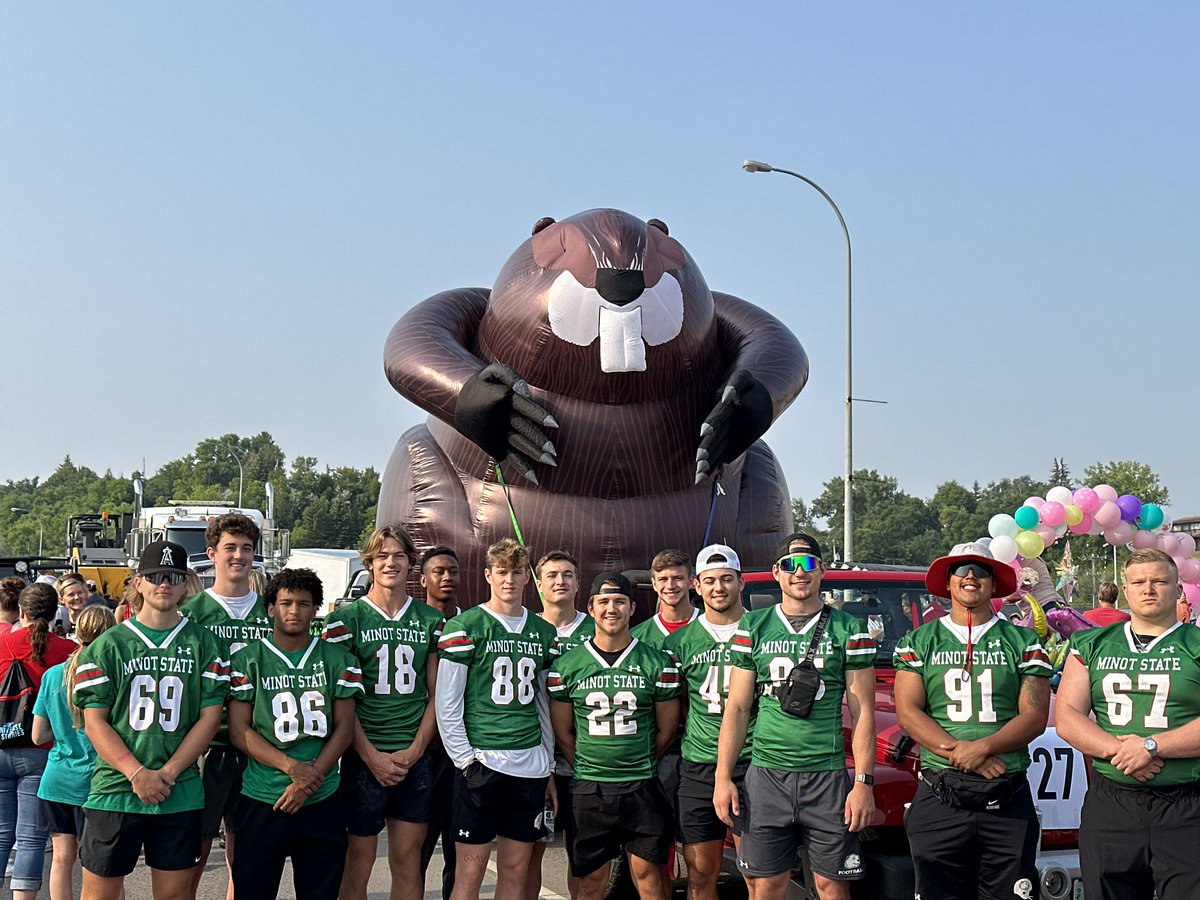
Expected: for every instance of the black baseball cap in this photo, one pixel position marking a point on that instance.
(163, 556)
(798, 537)
(612, 583)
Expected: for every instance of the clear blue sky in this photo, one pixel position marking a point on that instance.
(212, 213)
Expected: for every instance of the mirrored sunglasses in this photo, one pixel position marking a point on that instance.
(804, 562)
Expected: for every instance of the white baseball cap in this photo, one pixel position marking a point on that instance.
(717, 556)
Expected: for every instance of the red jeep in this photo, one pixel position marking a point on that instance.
(893, 600)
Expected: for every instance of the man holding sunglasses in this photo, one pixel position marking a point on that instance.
(151, 690)
(801, 657)
(972, 689)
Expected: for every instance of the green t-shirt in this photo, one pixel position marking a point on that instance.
(503, 677)
(68, 775)
(154, 684)
(392, 652)
(614, 707)
(705, 661)
(232, 634)
(292, 695)
(770, 647)
(1143, 692)
(973, 699)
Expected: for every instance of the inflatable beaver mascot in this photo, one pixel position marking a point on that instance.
(611, 385)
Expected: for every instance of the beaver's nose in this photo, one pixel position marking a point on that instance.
(620, 286)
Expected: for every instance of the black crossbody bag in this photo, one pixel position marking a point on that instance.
(798, 692)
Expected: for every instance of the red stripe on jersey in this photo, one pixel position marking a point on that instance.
(352, 676)
(89, 674)
(908, 656)
(741, 640)
(860, 644)
(460, 641)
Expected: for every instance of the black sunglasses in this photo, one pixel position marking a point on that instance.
(173, 578)
(962, 571)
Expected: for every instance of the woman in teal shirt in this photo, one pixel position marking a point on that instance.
(68, 774)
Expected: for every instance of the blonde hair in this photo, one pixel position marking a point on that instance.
(508, 554)
(374, 544)
(93, 621)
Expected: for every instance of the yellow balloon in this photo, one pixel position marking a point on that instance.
(1074, 514)
(1030, 544)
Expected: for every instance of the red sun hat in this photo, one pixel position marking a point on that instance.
(937, 579)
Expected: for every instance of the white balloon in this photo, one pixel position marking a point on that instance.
(1004, 549)
(1061, 495)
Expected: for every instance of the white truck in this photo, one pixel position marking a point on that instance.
(335, 568)
(184, 522)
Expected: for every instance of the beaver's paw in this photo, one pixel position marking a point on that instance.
(496, 410)
(742, 415)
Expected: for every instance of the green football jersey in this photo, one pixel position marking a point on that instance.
(705, 662)
(614, 707)
(154, 684)
(974, 698)
(233, 634)
(767, 645)
(653, 633)
(292, 696)
(392, 653)
(1143, 692)
(503, 677)
(572, 635)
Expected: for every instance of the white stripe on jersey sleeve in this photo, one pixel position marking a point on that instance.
(91, 674)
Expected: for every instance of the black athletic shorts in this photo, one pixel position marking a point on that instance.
(221, 774)
(694, 810)
(368, 803)
(488, 803)
(1133, 840)
(112, 841)
(964, 853)
(313, 838)
(606, 818)
(59, 818)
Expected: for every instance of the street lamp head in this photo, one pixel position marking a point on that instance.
(753, 165)
(18, 509)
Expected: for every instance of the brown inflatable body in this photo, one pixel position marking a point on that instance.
(610, 323)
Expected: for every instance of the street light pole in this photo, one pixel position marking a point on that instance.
(41, 529)
(241, 473)
(751, 165)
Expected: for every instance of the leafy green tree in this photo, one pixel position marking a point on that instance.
(890, 526)
(1128, 477)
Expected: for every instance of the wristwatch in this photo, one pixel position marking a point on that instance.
(1151, 746)
(865, 779)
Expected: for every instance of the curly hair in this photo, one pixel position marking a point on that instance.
(231, 523)
(295, 580)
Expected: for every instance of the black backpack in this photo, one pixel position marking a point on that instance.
(17, 694)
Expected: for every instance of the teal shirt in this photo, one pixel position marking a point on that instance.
(68, 775)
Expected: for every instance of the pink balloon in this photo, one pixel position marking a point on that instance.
(1083, 526)
(1106, 492)
(1035, 502)
(1145, 540)
(1169, 543)
(1192, 593)
(1189, 571)
(1120, 534)
(1086, 499)
(1046, 533)
(1108, 515)
(1053, 513)
(1187, 543)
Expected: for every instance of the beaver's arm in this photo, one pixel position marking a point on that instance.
(427, 357)
(769, 368)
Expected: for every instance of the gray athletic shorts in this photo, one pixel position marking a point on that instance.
(781, 809)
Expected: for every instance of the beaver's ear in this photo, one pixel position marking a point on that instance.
(546, 221)
(660, 225)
